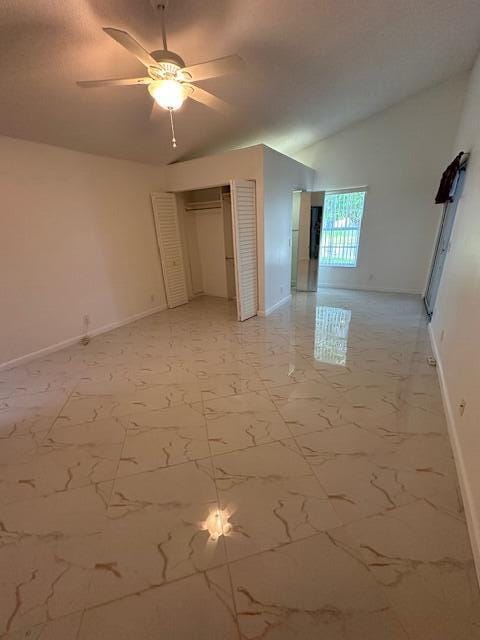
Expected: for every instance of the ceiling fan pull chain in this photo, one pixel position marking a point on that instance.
(174, 141)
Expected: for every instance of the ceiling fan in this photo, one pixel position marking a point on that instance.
(169, 81)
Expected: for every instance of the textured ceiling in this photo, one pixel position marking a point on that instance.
(313, 67)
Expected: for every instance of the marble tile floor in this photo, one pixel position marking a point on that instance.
(191, 477)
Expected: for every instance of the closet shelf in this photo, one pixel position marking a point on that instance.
(206, 204)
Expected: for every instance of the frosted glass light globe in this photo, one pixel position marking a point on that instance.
(169, 94)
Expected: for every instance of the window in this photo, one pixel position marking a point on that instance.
(342, 219)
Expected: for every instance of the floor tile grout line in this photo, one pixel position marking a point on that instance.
(80, 624)
(294, 437)
(61, 409)
(143, 411)
(117, 476)
(234, 604)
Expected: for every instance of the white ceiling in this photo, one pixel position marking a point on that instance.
(314, 66)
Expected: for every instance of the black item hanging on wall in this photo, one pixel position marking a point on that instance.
(447, 181)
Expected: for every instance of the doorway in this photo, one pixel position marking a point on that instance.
(443, 242)
(296, 195)
(306, 233)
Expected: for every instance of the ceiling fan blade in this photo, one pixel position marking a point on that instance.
(214, 68)
(209, 100)
(113, 82)
(130, 44)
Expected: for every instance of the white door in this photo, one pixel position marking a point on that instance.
(170, 247)
(443, 243)
(244, 213)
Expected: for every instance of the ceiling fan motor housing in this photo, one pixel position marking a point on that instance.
(169, 63)
(161, 55)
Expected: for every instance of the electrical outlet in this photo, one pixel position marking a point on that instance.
(152, 298)
(86, 320)
(462, 406)
(281, 289)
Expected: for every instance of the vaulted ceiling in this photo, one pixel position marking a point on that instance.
(313, 67)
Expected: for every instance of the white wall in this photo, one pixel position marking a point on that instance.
(455, 324)
(211, 250)
(77, 236)
(192, 254)
(281, 176)
(217, 170)
(399, 154)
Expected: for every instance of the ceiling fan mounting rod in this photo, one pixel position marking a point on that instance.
(162, 8)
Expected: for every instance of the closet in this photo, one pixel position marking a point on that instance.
(207, 240)
(207, 229)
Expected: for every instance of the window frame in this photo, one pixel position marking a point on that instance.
(329, 192)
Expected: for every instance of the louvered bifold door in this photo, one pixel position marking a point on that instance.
(170, 247)
(244, 212)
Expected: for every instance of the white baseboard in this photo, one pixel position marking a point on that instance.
(468, 501)
(67, 343)
(358, 287)
(278, 304)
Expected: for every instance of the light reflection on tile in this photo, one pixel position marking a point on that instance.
(217, 523)
(331, 334)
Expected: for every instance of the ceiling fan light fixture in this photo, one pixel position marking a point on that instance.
(169, 94)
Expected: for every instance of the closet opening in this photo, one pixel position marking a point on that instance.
(207, 241)
(207, 233)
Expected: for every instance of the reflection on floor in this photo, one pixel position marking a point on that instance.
(331, 334)
(191, 477)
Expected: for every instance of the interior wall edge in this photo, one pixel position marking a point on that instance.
(263, 313)
(471, 515)
(15, 362)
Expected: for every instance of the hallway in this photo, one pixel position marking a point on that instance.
(189, 477)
